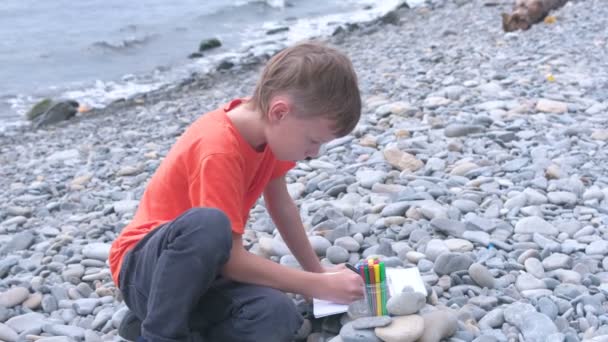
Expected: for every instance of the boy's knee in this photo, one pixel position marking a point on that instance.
(207, 224)
(280, 315)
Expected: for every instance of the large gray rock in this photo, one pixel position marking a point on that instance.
(448, 263)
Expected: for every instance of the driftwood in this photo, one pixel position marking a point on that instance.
(528, 12)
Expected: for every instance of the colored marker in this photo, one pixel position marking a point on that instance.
(370, 264)
(352, 268)
(377, 287)
(366, 273)
(384, 291)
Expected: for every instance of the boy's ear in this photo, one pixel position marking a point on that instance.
(279, 108)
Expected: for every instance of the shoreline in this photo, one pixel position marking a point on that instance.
(469, 163)
(254, 53)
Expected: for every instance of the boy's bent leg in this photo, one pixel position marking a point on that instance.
(241, 312)
(169, 271)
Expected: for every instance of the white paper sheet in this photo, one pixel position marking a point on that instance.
(397, 278)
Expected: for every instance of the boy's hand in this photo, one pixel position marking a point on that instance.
(343, 286)
(334, 268)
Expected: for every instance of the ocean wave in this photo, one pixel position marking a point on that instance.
(271, 3)
(124, 44)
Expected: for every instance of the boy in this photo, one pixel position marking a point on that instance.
(181, 264)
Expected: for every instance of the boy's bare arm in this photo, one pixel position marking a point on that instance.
(285, 215)
(342, 287)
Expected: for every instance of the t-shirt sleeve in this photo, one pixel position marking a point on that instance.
(220, 184)
(281, 167)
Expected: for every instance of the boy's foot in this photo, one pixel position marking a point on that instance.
(130, 327)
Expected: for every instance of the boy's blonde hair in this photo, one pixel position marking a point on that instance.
(320, 81)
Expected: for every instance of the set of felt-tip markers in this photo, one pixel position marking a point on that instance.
(373, 273)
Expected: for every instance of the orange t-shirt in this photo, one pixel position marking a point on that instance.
(211, 165)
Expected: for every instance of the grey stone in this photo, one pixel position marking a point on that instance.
(481, 275)
(448, 227)
(371, 322)
(405, 303)
(448, 263)
(13, 296)
(350, 334)
(531, 225)
(337, 254)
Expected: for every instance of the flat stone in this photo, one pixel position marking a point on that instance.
(447, 263)
(14, 296)
(557, 260)
(459, 245)
(125, 206)
(97, 250)
(71, 331)
(7, 334)
(562, 198)
(534, 326)
(367, 178)
(449, 227)
(26, 322)
(551, 106)
(372, 322)
(402, 329)
(481, 275)
(85, 306)
(534, 267)
(19, 242)
(534, 224)
(460, 130)
(350, 334)
(528, 282)
(480, 237)
(597, 247)
(434, 248)
(403, 161)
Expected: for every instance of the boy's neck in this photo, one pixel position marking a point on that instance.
(250, 124)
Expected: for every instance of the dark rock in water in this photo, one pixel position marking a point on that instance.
(195, 55)
(347, 27)
(225, 65)
(58, 112)
(208, 44)
(39, 108)
(277, 30)
(391, 17)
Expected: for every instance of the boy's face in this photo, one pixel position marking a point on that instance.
(296, 138)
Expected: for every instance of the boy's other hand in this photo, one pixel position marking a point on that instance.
(342, 286)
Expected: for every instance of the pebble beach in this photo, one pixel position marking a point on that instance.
(480, 159)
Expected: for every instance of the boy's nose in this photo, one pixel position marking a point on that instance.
(312, 154)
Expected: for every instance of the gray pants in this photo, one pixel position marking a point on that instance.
(171, 282)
